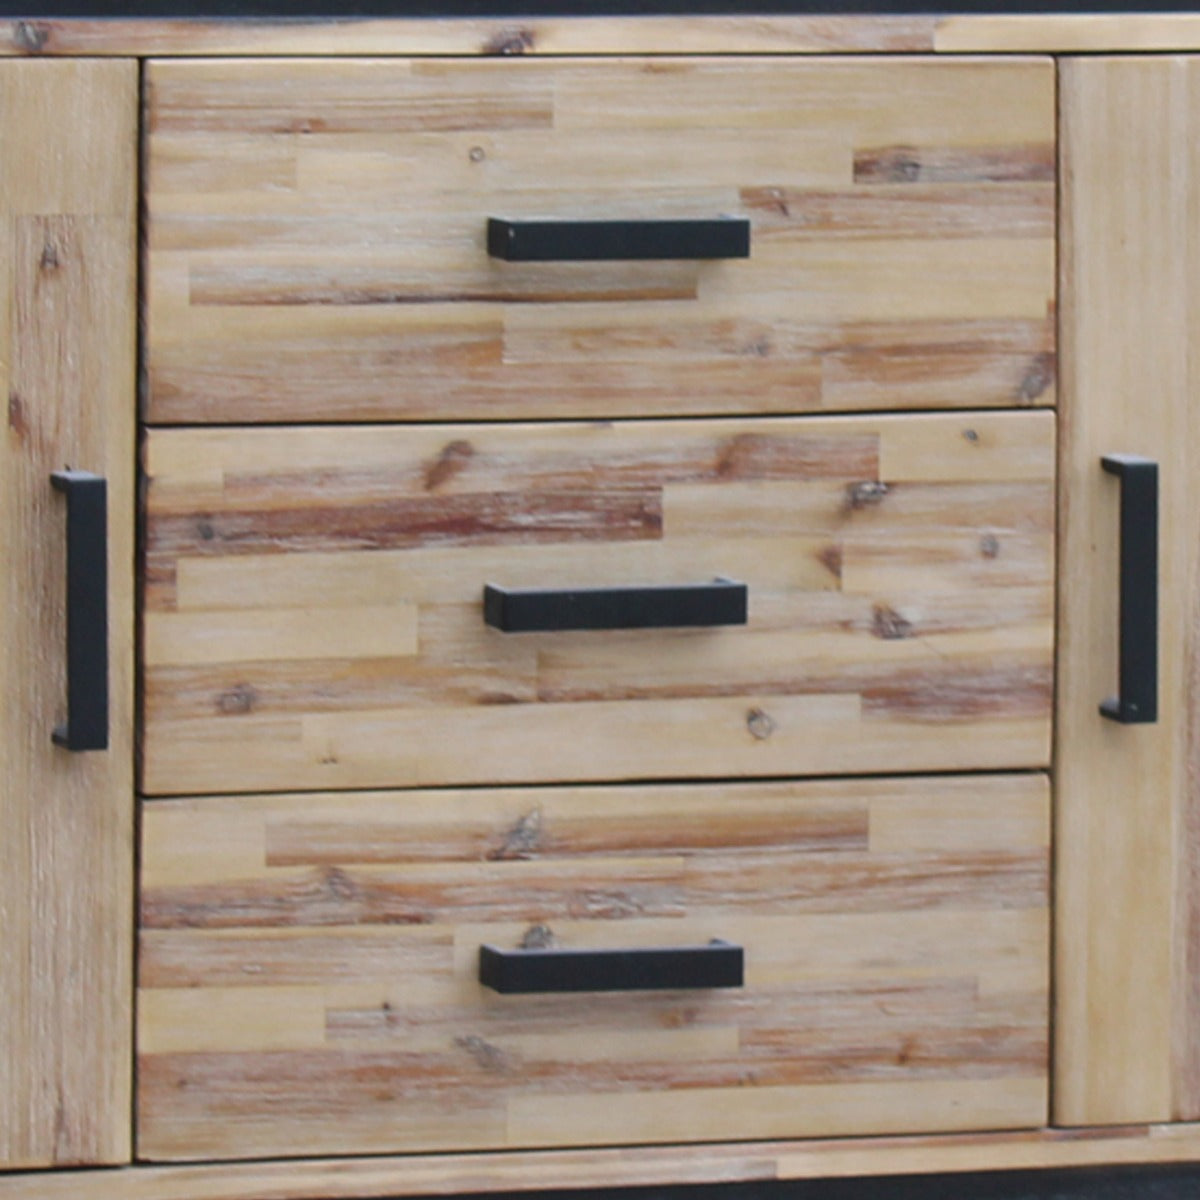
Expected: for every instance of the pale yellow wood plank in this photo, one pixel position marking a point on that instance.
(350, 631)
(449, 1174)
(1125, 896)
(703, 1114)
(216, 1020)
(546, 35)
(67, 261)
(1068, 33)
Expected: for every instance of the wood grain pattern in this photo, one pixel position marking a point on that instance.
(67, 321)
(646, 1166)
(1068, 33)
(317, 237)
(900, 576)
(1128, 796)
(998, 33)
(758, 34)
(319, 994)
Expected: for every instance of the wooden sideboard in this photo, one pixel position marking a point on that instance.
(248, 283)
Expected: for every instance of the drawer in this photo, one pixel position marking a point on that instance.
(309, 965)
(318, 249)
(314, 611)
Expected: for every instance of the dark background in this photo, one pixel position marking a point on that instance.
(1141, 1183)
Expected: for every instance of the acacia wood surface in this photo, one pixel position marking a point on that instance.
(648, 1166)
(67, 322)
(309, 965)
(317, 237)
(1000, 33)
(314, 617)
(1128, 797)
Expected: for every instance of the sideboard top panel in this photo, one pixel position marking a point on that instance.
(794, 27)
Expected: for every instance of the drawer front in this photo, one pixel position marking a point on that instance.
(314, 609)
(318, 250)
(309, 965)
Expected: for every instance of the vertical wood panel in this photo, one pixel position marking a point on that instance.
(67, 323)
(1126, 1049)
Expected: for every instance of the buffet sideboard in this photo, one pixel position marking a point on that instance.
(597, 601)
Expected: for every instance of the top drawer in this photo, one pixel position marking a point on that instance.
(318, 251)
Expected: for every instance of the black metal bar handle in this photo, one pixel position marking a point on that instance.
(86, 726)
(540, 610)
(1136, 701)
(594, 241)
(512, 972)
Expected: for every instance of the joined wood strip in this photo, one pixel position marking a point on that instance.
(444, 1175)
(487, 37)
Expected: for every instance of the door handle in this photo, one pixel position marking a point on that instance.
(1136, 701)
(86, 726)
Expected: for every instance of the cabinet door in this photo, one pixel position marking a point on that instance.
(67, 337)
(1128, 873)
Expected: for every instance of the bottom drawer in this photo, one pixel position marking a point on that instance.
(309, 967)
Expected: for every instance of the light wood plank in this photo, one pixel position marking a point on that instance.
(449, 1174)
(759, 34)
(1128, 892)
(1068, 33)
(67, 265)
(1046, 33)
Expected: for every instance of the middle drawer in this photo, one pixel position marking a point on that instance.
(314, 610)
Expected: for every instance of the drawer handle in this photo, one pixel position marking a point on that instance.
(533, 610)
(86, 726)
(594, 241)
(1136, 701)
(512, 972)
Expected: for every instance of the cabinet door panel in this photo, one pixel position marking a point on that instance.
(1128, 899)
(67, 325)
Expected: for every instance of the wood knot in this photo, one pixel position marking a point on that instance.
(453, 459)
(522, 840)
(510, 41)
(891, 164)
(830, 557)
(760, 723)
(866, 493)
(30, 37)
(538, 937)
(239, 699)
(890, 625)
(339, 885)
(1037, 378)
(486, 1054)
(17, 420)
